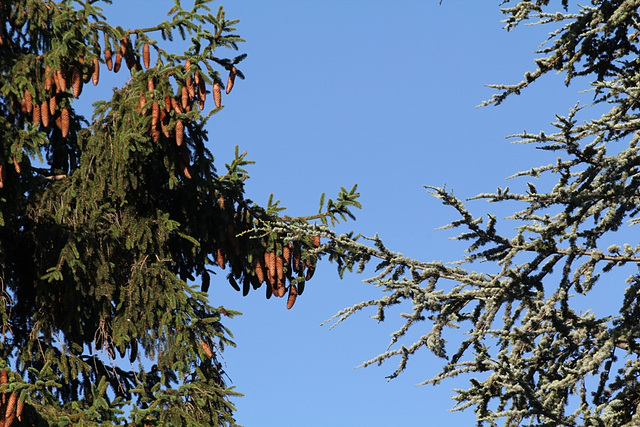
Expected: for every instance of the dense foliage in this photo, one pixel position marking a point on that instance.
(111, 226)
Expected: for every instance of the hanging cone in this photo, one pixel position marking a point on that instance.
(179, 132)
(16, 165)
(231, 80)
(36, 114)
(28, 101)
(217, 96)
(118, 63)
(146, 56)
(184, 97)
(44, 113)
(53, 104)
(76, 82)
(95, 76)
(293, 294)
(206, 348)
(108, 59)
(64, 120)
(48, 78)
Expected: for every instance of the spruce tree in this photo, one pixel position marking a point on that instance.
(513, 317)
(112, 225)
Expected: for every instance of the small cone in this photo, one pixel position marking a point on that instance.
(146, 56)
(191, 88)
(151, 86)
(206, 348)
(36, 114)
(11, 406)
(179, 132)
(259, 269)
(95, 76)
(293, 294)
(118, 63)
(176, 106)
(16, 165)
(76, 82)
(48, 78)
(167, 102)
(28, 101)
(108, 59)
(44, 113)
(64, 118)
(19, 408)
(155, 114)
(220, 258)
(217, 96)
(231, 80)
(184, 97)
(53, 104)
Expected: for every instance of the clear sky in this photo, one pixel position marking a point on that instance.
(382, 94)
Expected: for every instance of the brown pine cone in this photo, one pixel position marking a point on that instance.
(28, 101)
(36, 114)
(293, 294)
(95, 76)
(64, 119)
(231, 79)
(108, 58)
(48, 78)
(146, 56)
(44, 113)
(76, 82)
(217, 96)
(179, 132)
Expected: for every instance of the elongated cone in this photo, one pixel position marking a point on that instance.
(231, 80)
(16, 165)
(19, 408)
(164, 123)
(76, 82)
(310, 270)
(146, 56)
(61, 80)
(44, 113)
(220, 258)
(95, 76)
(280, 268)
(108, 59)
(48, 78)
(11, 405)
(270, 261)
(118, 63)
(3, 178)
(167, 102)
(4, 377)
(151, 86)
(124, 43)
(190, 87)
(234, 284)
(293, 294)
(176, 106)
(206, 348)
(202, 93)
(23, 106)
(217, 96)
(258, 267)
(179, 132)
(36, 114)
(141, 103)
(155, 114)
(28, 101)
(316, 241)
(64, 117)
(184, 92)
(53, 104)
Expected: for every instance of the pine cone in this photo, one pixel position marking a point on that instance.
(220, 258)
(76, 82)
(184, 97)
(95, 76)
(293, 294)
(231, 79)
(151, 86)
(118, 63)
(36, 114)
(258, 267)
(44, 113)
(108, 59)
(19, 408)
(176, 106)
(155, 114)
(217, 96)
(179, 132)
(191, 88)
(28, 100)
(11, 406)
(48, 78)
(64, 118)
(53, 104)
(206, 348)
(146, 56)
(16, 165)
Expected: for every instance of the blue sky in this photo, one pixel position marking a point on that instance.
(382, 94)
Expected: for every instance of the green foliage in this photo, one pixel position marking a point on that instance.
(107, 221)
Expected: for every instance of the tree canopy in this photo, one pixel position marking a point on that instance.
(112, 225)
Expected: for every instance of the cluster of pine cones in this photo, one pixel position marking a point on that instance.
(11, 407)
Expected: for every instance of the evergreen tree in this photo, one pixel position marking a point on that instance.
(534, 354)
(111, 226)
